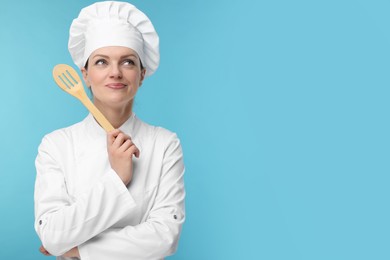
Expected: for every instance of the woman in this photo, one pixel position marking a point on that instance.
(116, 195)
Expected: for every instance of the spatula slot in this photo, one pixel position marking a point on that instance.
(70, 75)
(63, 81)
(66, 80)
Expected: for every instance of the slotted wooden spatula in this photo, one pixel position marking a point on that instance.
(69, 81)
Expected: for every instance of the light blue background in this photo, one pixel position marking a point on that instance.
(282, 108)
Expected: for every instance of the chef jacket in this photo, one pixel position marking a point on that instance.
(81, 201)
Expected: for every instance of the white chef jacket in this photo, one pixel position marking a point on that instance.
(80, 200)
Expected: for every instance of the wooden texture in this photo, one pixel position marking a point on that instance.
(69, 81)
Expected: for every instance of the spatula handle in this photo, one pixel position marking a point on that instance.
(102, 120)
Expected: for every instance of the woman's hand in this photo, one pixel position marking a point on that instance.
(121, 149)
(74, 252)
(44, 251)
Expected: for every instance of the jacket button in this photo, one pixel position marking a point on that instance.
(40, 222)
(174, 216)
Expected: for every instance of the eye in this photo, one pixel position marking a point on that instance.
(100, 62)
(128, 62)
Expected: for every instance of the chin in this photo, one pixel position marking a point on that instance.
(118, 102)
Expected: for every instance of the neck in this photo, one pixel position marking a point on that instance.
(115, 115)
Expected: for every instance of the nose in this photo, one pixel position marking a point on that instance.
(115, 72)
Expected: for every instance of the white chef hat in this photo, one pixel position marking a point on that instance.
(112, 23)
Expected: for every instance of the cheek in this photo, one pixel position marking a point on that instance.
(95, 77)
(136, 77)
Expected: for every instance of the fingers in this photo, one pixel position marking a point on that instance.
(129, 147)
(126, 145)
(133, 150)
(44, 251)
(111, 136)
(118, 140)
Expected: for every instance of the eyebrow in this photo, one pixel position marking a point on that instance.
(107, 57)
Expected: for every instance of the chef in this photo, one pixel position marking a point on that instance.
(117, 195)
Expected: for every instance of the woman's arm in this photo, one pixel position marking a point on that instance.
(158, 236)
(63, 224)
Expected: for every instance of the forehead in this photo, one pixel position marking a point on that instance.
(114, 52)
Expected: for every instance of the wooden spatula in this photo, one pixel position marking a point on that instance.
(69, 81)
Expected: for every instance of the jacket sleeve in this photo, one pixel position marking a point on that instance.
(158, 236)
(63, 223)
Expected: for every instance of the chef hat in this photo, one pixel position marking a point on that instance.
(112, 23)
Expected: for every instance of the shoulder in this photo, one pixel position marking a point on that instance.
(156, 134)
(62, 137)
(160, 144)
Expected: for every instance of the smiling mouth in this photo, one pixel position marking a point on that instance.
(116, 85)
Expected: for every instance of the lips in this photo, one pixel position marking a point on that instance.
(116, 85)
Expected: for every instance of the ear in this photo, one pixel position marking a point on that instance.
(85, 77)
(143, 71)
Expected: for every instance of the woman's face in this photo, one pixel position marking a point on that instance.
(114, 74)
